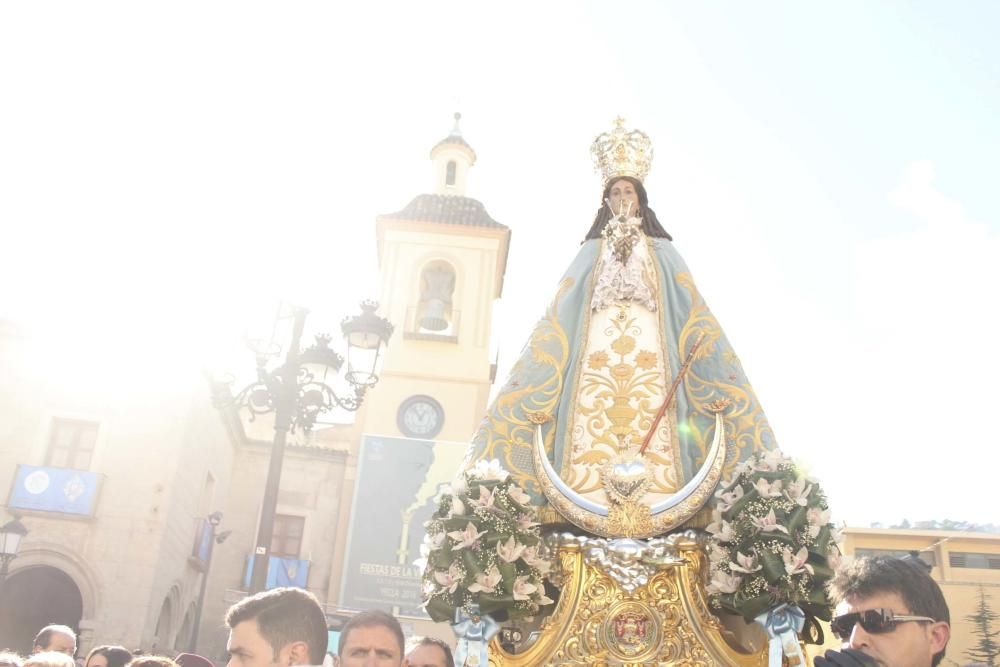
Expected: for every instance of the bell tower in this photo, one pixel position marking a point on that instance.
(442, 260)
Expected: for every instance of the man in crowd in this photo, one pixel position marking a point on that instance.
(889, 612)
(371, 639)
(59, 638)
(429, 652)
(281, 627)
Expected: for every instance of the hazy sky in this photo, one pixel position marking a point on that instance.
(168, 170)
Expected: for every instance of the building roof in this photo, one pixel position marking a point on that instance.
(449, 209)
(453, 139)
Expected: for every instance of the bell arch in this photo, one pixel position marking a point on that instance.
(436, 311)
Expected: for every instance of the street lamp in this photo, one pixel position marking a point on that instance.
(214, 519)
(297, 393)
(10, 541)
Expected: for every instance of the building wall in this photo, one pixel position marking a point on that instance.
(154, 446)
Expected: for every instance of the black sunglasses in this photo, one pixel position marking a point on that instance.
(874, 621)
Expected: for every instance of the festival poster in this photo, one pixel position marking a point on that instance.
(398, 480)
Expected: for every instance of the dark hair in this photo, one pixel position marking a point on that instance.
(368, 619)
(449, 660)
(285, 615)
(871, 575)
(650, 225)
(117, 656)
(152, 661)
(44, 635)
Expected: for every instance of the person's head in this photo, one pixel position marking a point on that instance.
(898, 587)
(108, 656)
(152, 661)
(8, 659)
(429, 652)
(193, 660)
(49, 659)
(282, 626)
(59, 638)
(371, 639)
(629, 190)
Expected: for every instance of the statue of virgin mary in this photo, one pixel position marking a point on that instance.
(628, 393)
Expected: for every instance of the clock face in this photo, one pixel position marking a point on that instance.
(420, 417)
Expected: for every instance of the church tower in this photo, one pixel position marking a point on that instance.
(442, 260)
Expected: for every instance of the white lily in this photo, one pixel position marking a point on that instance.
(769, 523)
(768, 489)
(798, 491)
(524, 522)
(722, 530)
(486, 581)
(723, 582)
(726, 500)
(817, 517)
(518, 495)
(510, 550)
(466, 538)
(543, 599)
(523, 589)
(490, 470)
(770, 460)
(449, 580)
(743, 468)
(457, 507)
(794, 564)
(533, 560)
(485, 500)
(745, 564)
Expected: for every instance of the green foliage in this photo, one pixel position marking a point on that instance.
(773, 543)
(484, 550)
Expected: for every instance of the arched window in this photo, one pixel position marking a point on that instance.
(435, 313)
(449, 176)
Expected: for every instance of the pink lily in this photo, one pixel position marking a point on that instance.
(510, 550)
(466, 538)
(486, 581)
(769, 524)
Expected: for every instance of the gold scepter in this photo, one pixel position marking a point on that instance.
(673, 389)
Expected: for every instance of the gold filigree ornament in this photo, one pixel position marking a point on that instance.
(625, 479)
(622, 153)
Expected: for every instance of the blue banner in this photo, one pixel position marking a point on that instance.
(54, 490)
(281, 572)
(202, 541)
(397, 486)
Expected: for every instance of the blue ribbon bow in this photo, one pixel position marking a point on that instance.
(474, 632)
(783, 625)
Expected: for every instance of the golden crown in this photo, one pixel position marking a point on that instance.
(622, 153)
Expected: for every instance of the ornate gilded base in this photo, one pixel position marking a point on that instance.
(628, 603)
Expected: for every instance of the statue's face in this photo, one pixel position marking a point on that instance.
(624, 198)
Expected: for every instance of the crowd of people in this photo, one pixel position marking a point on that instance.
(890, 613)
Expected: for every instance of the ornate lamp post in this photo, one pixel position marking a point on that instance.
(10, 541)
(297, 393)
(214, 519)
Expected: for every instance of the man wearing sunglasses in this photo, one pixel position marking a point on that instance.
(889, 612)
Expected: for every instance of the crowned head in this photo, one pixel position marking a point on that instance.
(622, 152)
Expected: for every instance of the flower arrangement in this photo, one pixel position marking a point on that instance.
(773, 543)
(483, 551)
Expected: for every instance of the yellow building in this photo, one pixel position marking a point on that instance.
(963, 563)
